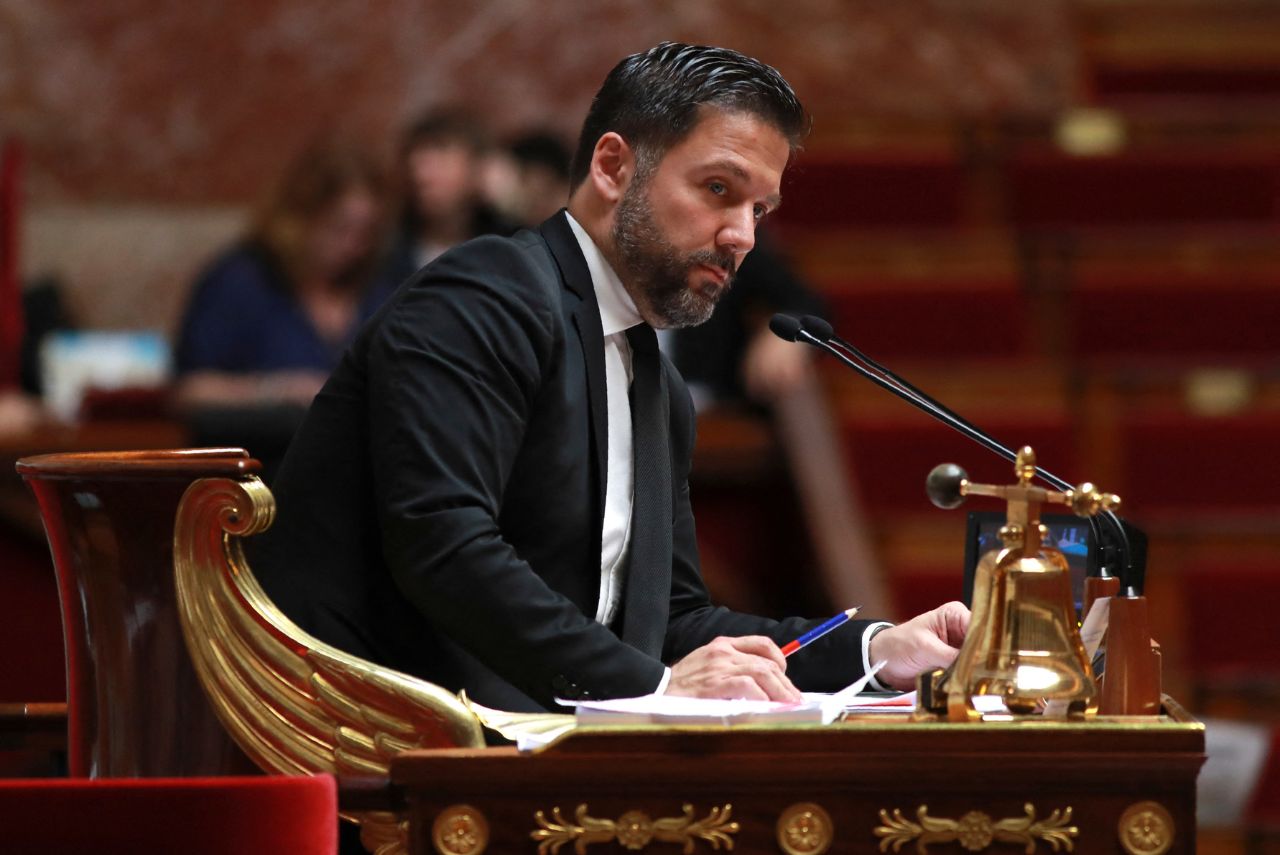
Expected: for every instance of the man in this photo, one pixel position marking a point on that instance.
(477, 497)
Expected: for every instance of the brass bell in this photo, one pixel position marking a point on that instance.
(1023, 642)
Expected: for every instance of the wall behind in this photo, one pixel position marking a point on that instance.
(149, 125)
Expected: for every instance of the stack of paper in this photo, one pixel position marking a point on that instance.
(673, 709)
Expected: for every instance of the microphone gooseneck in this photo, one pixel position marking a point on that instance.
(818, 333)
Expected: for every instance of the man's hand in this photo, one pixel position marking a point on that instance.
(930, 640)
(748, 667)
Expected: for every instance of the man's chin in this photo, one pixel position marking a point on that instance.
(690, 314)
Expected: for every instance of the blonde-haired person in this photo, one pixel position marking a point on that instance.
(270, 317)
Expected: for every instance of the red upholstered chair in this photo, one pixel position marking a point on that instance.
(194, 816)
(1230, 638)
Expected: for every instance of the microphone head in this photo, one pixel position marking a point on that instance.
(817, 327)
(943, 485)
(785, 326)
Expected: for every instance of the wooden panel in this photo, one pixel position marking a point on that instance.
(853, 771)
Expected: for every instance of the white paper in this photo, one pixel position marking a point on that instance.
(675, 709)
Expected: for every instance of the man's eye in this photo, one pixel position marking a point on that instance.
(760, 211)
(717, 188)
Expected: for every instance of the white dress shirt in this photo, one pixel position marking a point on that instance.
(617, 315)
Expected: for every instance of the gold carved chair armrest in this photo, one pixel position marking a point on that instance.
(294, 704)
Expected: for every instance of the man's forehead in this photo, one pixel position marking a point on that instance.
(740, 145)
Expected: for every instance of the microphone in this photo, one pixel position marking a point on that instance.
(824, 332)
(943, 486)
(785, 327)
(792, 329)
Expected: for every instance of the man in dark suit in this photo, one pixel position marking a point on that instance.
(491, 491)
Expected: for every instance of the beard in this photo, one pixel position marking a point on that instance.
(655, 273)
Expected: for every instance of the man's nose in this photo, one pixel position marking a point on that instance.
(738, 231)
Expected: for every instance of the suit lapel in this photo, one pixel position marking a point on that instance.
(585, 317)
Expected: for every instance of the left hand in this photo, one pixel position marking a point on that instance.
(930, 640)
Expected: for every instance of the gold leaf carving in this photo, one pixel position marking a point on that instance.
(384, 833)
(975, 831)
(1146, 828)
(805, 829)
(633, 830)
(460, 830)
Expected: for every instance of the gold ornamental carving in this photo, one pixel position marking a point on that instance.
(975, 831)
(460, 830)
(805, 829)
(1146, 828)
(633, 830)
(294, 704)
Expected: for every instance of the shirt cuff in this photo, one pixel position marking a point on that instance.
(666, 678)
(873, 684)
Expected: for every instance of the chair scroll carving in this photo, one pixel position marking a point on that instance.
(294, 704)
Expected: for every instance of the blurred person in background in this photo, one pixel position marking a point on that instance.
(541, 186)
(43, 312)
(270, 317)
(442, 156)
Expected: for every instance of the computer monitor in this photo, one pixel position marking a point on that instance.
(1070, 534)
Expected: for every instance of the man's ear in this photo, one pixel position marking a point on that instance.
(613, 166)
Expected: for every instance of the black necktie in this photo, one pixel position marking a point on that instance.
(647, 600)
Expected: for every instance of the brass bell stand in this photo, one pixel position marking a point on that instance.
(1023, 642)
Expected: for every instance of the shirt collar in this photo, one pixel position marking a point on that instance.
(617, 309)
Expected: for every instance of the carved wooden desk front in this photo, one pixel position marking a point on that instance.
(862, 786)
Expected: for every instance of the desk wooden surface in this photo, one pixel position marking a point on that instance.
(862, 786)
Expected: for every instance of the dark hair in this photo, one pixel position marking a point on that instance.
(442, 128)
(317, 179)
(544, 149)
(652, 99)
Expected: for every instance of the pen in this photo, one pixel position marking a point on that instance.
(818, 631)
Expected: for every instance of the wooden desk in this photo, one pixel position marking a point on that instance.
(855, 787)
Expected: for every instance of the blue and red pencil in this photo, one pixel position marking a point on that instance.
(818, 631)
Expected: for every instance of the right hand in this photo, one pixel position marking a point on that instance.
(750, 666)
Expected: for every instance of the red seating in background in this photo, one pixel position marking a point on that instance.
(1149, 316)
(891, 457)
(915, 592)
(979, 318)
(1181, 466)
(31, 658)
(194, 816)
(1051, 190)
(1153, 54)
(1128, 85)
(1230, 621)
(873, 190)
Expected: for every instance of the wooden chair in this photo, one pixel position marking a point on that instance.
(146, 550)
(134, 705)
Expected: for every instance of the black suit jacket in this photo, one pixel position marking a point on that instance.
(440, 510)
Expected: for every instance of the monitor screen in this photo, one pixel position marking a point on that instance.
(1070, 534)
